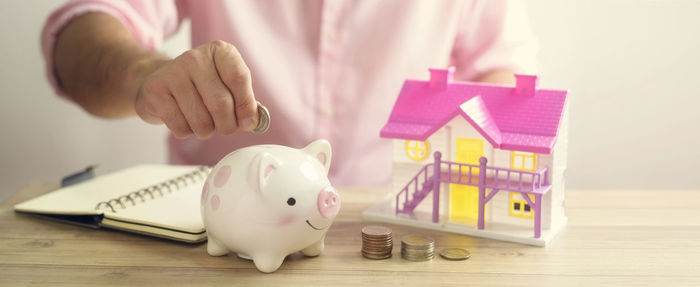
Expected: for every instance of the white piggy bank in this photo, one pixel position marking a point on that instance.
(268, 201)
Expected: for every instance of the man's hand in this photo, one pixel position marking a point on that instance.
(102, 67)
(205, 89)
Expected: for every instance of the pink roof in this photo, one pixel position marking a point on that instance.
(523, 118)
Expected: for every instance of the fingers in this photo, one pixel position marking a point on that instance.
(155, 105)
(217, 99)
(192, 107)
(204, 90)
(234, 73)
(173, 118)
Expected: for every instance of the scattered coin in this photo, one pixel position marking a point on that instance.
(455, 254)
(417, 248)
(377, 242)
(263, 120)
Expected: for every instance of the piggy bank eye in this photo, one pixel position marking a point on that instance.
(291, 201)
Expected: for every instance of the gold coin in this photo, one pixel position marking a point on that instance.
(417, 240)
(455, 254)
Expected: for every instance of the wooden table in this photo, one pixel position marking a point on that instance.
(614, 237)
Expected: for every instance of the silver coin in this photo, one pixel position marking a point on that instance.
(417, 259)
(263, 120)
(417, 251)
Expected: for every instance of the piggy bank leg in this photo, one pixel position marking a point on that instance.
(267, 263)
(214, 248)
(314, 250)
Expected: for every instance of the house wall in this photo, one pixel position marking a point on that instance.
(405, 168)
(553, 202)
(438, 142)
(498, 208)
(500, 204)
(459, 127)
(558, 170)
(553, 212)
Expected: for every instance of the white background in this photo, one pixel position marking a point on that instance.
(632, 68)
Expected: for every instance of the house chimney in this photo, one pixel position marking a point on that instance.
(525, 85)
(439, 78)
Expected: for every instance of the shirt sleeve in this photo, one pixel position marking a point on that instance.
(149, 21)
(494, 34)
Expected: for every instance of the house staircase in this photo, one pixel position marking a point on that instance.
(415, 191)
(494, 179)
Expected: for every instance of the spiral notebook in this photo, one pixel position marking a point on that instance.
(155, 200)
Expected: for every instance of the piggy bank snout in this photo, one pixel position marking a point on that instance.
(328, 202)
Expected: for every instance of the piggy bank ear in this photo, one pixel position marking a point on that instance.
(266, 166)
(320, 150)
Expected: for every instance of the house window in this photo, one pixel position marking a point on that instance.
(523, 160)
(519, 206)
(417, 150)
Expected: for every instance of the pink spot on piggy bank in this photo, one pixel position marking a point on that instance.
(215, 202)
(222, 176)
(278, 201)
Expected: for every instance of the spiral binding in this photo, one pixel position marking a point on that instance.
(159, 189)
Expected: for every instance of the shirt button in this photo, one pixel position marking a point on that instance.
(331, 35)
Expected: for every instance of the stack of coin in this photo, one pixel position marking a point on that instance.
(417, 248)
(377, 242)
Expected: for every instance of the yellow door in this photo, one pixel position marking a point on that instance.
(464, 200)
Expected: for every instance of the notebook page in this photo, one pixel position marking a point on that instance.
(83, 197)
(177, 210)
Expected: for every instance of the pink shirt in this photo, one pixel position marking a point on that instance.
(328, 69)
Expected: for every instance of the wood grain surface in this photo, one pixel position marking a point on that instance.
(614, 237)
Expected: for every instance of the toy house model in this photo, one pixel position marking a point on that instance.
(477, 159)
